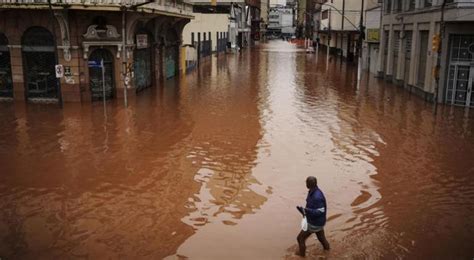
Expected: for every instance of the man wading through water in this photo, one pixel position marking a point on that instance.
(315, 212)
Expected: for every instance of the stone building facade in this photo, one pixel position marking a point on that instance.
(408, 59)
(84, 37)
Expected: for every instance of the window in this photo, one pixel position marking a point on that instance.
(428, 3)
(325, 14)
(411, 5)
(398, 5)
(388, 6)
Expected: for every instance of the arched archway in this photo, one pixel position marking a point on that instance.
(95, 74)
(6, 83)
(38, 63)
(142, 59)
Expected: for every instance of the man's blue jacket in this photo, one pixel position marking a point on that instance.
(316, 208)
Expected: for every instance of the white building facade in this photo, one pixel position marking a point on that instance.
(281, 21)
(371, 44)
(338, 26)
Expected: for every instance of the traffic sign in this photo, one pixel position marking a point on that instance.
(94, 64)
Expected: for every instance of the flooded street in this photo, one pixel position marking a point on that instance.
(211, 166)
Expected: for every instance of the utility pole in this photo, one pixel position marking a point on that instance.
(361, 38)
(438, 58)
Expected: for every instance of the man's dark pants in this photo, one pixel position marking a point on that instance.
(303, 235)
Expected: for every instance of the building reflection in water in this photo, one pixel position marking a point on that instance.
(136, 183)
(85, 186)
(225, 142)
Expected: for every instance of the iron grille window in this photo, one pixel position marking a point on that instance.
(460, 89)
(462, 48)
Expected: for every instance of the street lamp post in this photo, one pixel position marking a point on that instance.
(438, 58)
(56, 59)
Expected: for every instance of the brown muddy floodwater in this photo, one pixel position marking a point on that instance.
(211, 166)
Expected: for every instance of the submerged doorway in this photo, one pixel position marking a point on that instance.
(461, 71)
(95, 75)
